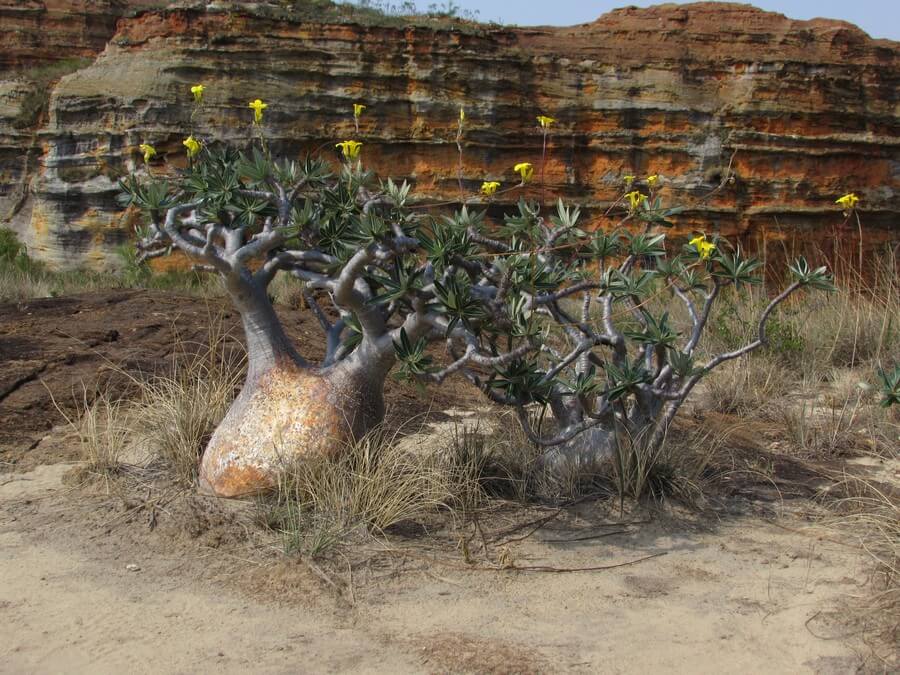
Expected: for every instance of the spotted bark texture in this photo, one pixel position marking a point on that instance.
(287, 414)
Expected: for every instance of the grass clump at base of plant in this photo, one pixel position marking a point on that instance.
(165, 420)
(374, 485)
(503, 464)
(175, 413)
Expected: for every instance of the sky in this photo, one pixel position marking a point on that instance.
(879, 18)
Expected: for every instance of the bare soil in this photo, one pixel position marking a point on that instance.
(54, 352)
(132, 573)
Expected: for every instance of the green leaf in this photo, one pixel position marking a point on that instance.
(524, 323)
(683, 364)
(656, 331)
(521, 381)
(890, 386)
(736, 269)
(398, 194)
(354, 335)
(624, 379)
(400, 285)
(565, 217)
(670, 267)
(586, 383)
(603, 245)
(456, 301)
(652, 245)
(818, 278)
(637, 284)
(412, 358)
(247, 211)
(524, 224)
(257, 168)
(150, 194)
(449, 240)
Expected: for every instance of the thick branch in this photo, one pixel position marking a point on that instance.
(761, 330)
(207, 252)
(704, 317)
(472, 355)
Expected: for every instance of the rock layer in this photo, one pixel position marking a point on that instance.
(803, 111)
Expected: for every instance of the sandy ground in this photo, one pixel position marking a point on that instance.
(167, 582)
(743, 595)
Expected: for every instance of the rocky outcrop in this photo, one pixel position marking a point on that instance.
(43, 40)
(44, 31)
(804, 111)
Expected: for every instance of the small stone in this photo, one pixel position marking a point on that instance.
(132, 568)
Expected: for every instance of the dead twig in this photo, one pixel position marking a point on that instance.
(585, 538)
(528, 568)
(538, 524)
(315, 569)
(597, 568)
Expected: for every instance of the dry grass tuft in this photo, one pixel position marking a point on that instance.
(374, 485)
(23, 278)
(815, 429)
(104, 435)
(870, 513)
(747, 385)
(504, 464)
(681, 469)
(103, 429)
(851, 327)
(18, 286)
(176, 414)
(500, 463)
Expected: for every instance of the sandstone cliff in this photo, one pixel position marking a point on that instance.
(809, 110)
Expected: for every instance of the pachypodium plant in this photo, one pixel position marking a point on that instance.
(535, 310)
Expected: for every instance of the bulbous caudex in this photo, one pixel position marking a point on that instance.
(530, 312)
(286, 406)
(287, 410)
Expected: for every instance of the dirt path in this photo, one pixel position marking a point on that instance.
(747, 596)
(65, 612)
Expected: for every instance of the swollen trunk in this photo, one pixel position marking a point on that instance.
(283, 415)
(286, 410)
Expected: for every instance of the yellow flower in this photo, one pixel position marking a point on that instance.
(525, 170)
(651, 180)
(545, 121)
(704, 248)
(629, 179)
(358, 109)
(462, 114)
(257, 106)
(848, 201)
(197, 90)
(635, 198)
(488, 188)
(193, 146)
(149, 152)
(350, 149)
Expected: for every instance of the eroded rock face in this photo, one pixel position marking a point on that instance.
(807, 109)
